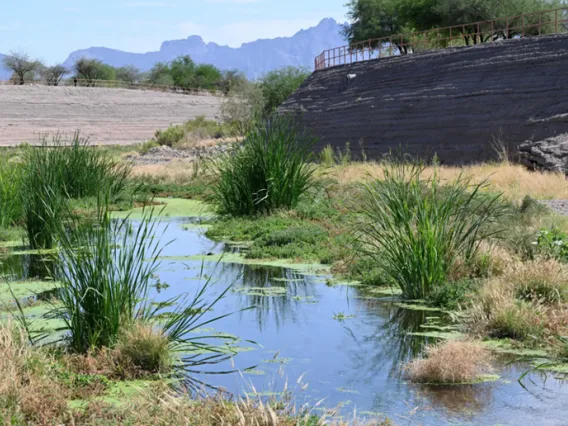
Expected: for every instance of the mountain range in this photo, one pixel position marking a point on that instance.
(254, 59)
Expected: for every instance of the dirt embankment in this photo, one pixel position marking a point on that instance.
(107, 116)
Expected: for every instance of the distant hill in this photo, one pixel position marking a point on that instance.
(254, 59)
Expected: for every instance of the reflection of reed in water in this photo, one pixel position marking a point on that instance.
(28, 266)
(388, 343)
(464, 400)
(277, 306)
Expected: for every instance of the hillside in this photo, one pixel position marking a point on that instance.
(254, 58)
(107, 116)
(454, 102)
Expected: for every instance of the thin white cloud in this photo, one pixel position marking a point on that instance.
(233, 1)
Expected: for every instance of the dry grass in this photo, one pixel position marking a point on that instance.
(451, 362)
(515, 181)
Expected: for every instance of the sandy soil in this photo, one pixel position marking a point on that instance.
(107, 116)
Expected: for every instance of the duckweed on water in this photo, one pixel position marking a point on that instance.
(262, 291)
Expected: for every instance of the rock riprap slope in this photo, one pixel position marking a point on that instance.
(455, 102)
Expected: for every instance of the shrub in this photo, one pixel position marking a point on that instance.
(416, 228)
(553, 243)
(540, 281)
(169, 137)
(452, 295)
(268, 171)
(451, 362)
(145, 147)
(278, 85)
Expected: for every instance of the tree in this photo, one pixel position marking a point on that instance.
(182, 71)
(160, 75)
(53, 74)
(128, 74)
(371, 19)
(232, 80)
(207, 77)
(278, 85)
(93, 69)
(21, 65)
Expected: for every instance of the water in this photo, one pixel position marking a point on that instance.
(352, 363)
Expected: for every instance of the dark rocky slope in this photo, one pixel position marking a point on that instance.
(454, 102)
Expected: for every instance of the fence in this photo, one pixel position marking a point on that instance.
(529, 24)
(117, 84)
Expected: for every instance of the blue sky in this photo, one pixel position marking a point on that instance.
(51, 29)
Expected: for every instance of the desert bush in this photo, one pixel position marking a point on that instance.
(243, 107)
(169, 137)
(451, 362)
(268, 171)
(147, 146)
(419, 227)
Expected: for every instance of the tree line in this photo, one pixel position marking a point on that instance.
(181, 73)
(372, 19)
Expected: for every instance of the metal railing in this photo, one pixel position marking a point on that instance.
(530, 24)
(115, 84)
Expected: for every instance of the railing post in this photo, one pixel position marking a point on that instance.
(539, 24)
(492, 30)
(523, 25)
(556, 21)
(507, 30)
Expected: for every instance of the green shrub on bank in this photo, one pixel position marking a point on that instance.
(268, 171)
(416, 228)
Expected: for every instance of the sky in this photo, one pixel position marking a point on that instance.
(51, 29)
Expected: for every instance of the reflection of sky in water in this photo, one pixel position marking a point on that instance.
(356, 361)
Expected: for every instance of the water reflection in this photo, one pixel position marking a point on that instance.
(28, 266)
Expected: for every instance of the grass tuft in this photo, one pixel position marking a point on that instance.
(269, 171)
(451, 363)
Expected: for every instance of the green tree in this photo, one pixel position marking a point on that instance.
(207, 77)
(92, 70)
(128, 74)
(182, 71)
(232, 80)
(160, 75)
(21, 65)
(278, 85)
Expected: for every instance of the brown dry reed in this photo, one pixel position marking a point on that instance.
(451, 362)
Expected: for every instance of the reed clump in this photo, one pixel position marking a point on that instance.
(450, 363)
(270, 170)
(417, 228)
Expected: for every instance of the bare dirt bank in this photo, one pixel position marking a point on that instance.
(107, 116)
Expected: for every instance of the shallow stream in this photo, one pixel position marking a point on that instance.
(338, 343)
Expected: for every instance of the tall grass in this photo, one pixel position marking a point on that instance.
(416, 228)
(10, 185)
(106, 274)
(58, 170)
(269, 171)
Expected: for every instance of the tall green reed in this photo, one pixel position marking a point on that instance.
(416, 228)
(63, 169)
(107, 268)
(10, 186)
(268, 171)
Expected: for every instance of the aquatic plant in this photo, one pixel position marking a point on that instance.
(451, 362)
(416, 228)
(268, 171)
(10, 186)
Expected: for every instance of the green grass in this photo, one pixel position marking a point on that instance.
(10, 187)
(269, 171)
(417, 228)
(194, 130)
